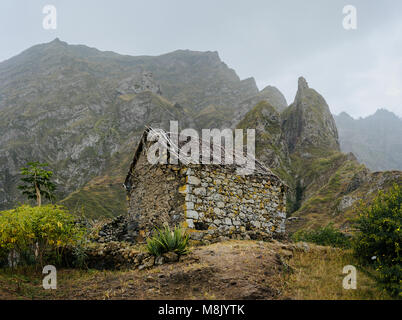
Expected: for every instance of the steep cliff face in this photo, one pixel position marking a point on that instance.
(80, 142)
(301, 146)
(81, 110)
(197, 80)
(308, 122)
(326, 183)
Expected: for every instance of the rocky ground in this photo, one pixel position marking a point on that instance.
(227, 270)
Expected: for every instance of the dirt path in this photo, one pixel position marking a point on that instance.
(229, 270)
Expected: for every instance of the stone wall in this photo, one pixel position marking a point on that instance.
(154, 198)
(211, 201)
(220, 204)
(117, 255)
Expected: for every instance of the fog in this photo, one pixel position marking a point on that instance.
(357, 71)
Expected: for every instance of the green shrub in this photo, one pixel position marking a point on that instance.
(38, 234)
(325, 236)
(79, 255)
(166, 240)
(379, 237)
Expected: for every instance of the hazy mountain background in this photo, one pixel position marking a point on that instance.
(82, 111)
(375, 140)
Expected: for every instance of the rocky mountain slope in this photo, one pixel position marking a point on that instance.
(82, 110)
(308, 123)
(375, 140)
(302, 147)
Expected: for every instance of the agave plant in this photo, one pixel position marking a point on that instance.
(165, 240)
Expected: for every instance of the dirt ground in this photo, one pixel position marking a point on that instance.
(228, 270)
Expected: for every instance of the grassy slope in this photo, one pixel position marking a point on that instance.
(317, 274)
(103, 196)
(330, 179)
(228, 270)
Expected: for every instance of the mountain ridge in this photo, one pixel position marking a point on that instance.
(302, 147)
(76, 107)
(83, 111)
(380, 148)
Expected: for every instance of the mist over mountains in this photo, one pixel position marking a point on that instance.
(375, 140)
(83, 111)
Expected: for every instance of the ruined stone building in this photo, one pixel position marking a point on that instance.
(212, 201)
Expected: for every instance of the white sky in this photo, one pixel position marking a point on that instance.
(275, 42)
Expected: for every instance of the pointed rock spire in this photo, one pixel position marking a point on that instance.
(308, 122)
(302, 84)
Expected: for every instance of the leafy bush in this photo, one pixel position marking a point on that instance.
(379, 237)
(166, 240)
(38, 234)
(325, 236)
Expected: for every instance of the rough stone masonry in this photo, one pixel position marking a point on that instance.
(211, 201)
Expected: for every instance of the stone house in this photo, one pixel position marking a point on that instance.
(211, 201)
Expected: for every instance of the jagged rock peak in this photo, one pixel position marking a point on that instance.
(308, 122)
(250, 81)
(302, 84)
(250, 84)
(302, 87)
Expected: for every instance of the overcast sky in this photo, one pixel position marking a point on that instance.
(357, 71)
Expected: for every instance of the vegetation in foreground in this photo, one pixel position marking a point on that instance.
(228, 270)
(34, 236)
(317, 275)
(325, 236)
(37, 235)
(166, 240)
(379, 238)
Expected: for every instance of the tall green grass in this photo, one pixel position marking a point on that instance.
(325, 236)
